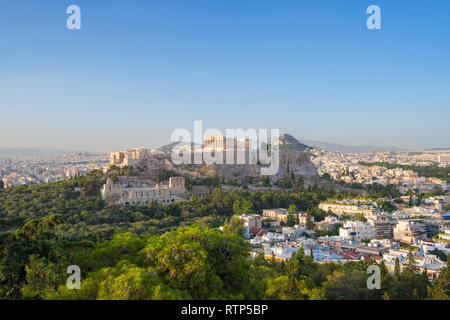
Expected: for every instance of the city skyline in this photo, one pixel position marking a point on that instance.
(23, 152)
(137, 71)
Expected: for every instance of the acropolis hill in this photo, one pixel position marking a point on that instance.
(294, 161)
(294, 158)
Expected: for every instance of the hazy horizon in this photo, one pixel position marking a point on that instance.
(168, 142)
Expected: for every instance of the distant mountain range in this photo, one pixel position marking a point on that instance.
(31, 152)
(438, 149)
(348, 149)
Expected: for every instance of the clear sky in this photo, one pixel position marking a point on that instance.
(137, 70)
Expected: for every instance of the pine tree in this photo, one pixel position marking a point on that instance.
(273, 260)
(411, 267)
(440, 289)
(386, 281)
(397, 272)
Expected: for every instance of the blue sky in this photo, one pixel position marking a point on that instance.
(137, 70)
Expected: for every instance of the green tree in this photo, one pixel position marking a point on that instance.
(28, 256)
(396, 272)
(202, 262)
(440, 289)
(388, 207)
(309, 224)
(347, 285)
(277, 288)
(235, 226)
(360, 217)
(242, 206)
(410, 202)
(265, 181)
(290, 221)
(293, 209)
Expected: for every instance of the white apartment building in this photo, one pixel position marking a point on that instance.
(281, 251)
(409, 231)
(357, 230)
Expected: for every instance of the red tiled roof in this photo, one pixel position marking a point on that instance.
(347, 256)
(350, 254)
(255, 230)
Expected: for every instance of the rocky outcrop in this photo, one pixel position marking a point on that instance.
(288, 143)
(298, 163)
